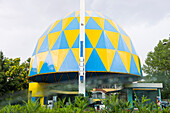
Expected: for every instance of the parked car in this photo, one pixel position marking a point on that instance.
(164, 104)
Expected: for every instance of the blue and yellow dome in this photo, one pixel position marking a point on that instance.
(107, 48)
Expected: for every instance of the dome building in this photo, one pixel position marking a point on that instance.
(108, 50)
(109, 53)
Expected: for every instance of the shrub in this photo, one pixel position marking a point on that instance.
(80, 104)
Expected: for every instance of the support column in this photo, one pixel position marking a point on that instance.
(33, 99)
(130, 96)
(37, 90)
(159, 91)
(82, 76)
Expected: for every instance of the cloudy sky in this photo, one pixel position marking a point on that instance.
(22, 22)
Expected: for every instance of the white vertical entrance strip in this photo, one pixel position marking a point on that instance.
(82, 76)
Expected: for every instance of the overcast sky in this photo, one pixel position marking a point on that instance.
(22, 22)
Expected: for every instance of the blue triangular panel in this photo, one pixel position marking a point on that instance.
(48, 65)
(133, 49)
(133, 67)
(34, 67)
(34, 53)
(109, 27)
(71, 15)
(46, 32)
(91, 24)
(94, 14)
(101, 43)
(57, 28)
(117, 64)
(87, 42)
(140, 68)
(94, 63)
(108, 43)
(69, 63)
(61, 42)
(86, 14)
(122, 45)
(104, 42)
(73, 25)
(121, 30)
(45, 46)
(76, 43)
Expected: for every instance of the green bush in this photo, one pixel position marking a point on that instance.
(80, 104)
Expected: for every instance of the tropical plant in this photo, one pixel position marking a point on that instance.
(80, 105)
(115, 105)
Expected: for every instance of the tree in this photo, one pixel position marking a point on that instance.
(13, 75)
(157, 66)
(3, 78)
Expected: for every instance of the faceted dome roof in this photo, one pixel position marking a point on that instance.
(107, 47)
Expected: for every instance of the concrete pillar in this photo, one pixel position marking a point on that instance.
(159, 91)
(37, 90)
(33, 99)
(130, 96)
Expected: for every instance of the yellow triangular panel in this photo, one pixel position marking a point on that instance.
(103, 56)
(40, 41)
(89, 13)
(76, 53)
(77, 13)
(126, 58)
(99, 21)
(127, 41)
(110, 55)
(100, 14)
(71, 36)
(40, 60)
(66, 22)
(106, 55)
(68, 14)
(93, 36)
(54, 25)
(136, 58)
(88, 52)
(113, 24)
(31, 62)
(86, 19)
(58, 57)
(114, 38)
(52, 37)
(78, 18)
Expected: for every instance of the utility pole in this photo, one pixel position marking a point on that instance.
(82, 75)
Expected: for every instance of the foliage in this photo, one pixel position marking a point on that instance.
(13, 76)
(80, 105)
(115, 105)
(157, 66)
